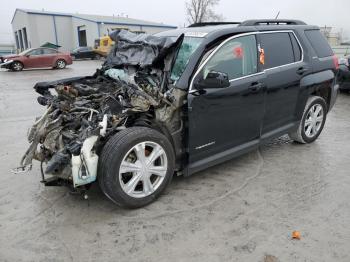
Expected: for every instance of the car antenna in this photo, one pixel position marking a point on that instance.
(278, 14)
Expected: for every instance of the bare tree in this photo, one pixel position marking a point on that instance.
(202, 11)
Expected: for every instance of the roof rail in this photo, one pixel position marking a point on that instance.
(258, 22)
(213, 23)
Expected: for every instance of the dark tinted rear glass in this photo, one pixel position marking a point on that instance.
(319, 43)
(278, 49)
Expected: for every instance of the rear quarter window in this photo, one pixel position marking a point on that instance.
(319, 43)
(296, 48)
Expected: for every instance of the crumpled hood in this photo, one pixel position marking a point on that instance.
(141, 50)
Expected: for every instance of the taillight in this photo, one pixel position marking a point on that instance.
(336, 62)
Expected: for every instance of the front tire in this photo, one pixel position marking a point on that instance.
(135, 167)
(17, 66)
(312, 122)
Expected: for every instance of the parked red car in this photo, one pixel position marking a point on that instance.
(36, 58)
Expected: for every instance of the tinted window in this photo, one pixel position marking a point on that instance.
(36, 52)
(319, 43)
(237, 58)
(49, 51)
(296, 48)
(278, 49)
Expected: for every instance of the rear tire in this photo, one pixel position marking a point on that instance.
(130, 172)
(61, 64)
(312, 122)
(17, 66)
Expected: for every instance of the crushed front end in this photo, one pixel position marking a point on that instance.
(131, 88)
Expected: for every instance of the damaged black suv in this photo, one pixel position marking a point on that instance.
(182, 101)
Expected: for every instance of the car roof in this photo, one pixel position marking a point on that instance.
(36, 48)
(202, 30)
(214, 30)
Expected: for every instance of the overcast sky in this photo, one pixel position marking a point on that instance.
(331, 13)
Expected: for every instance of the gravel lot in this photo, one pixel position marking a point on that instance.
(243, 210)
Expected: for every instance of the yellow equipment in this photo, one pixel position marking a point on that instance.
(103, 45)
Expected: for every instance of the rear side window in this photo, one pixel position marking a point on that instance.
(49, 51)
(278, 49)
(319, 43)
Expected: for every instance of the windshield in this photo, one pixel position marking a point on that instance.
(25, 51)
(189, 45)
(76, 49)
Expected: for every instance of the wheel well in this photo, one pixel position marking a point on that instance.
(17, 61)
(324, 92)
(148, 120)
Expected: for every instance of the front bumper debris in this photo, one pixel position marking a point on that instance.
(6, 63)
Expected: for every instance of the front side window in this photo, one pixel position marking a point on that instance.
(236, 58)
(277, 48)
(36, 52)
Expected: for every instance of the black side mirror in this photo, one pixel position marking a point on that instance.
(214, 79)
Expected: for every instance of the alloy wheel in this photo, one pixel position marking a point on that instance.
(143, 169)
(313, 120)
(61, 64)
(17, 66)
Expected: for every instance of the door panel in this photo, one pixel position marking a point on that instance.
(224, 118)
(283, 85)
(33, 59)
(78, 54)
(48, 58)
(284, 71)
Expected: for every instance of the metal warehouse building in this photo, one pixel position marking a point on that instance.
(33, 28)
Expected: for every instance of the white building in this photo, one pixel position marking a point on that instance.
(6, 49)
(33, 28)
(333, 35)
